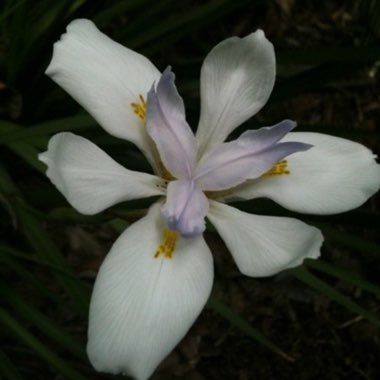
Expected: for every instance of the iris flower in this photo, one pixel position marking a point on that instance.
(159, 273)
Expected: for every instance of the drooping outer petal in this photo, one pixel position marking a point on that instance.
(142, 306)
(264, 245)
(237, 78)
(167, 126)
(90, 179)
(250, 156)
(105, 78)
(185, 208)
(335, 176)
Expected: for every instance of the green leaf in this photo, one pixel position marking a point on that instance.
(13, 132)
(238, 322)
(45, 249)
(365, 54)
(8, 370)
(322, 287)
(29, 154)
(44, 324)
(349, 277)
(179, 24)
(8, 261)
(30, 257)
(45, 352)
(352, 242)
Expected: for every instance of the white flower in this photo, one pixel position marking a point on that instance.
(159, 273)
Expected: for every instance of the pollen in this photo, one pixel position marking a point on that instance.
(280, 168)
(139, 109)
(167, 247)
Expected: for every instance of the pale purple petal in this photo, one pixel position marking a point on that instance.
(185, 208)
(248, 157)
(167, 126)
(264, 137)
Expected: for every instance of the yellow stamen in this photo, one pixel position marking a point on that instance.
(139, 109)
(167, 247)
(280, 168)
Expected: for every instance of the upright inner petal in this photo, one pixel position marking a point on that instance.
(185, 208)
(167, 126)
(237, 78)
(253, 154)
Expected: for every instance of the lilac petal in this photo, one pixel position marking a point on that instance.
(185, 208)
(264, 137)
(248, 157)
(167, 126)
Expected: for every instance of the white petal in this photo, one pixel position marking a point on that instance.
(142, 306)
(237, 78)
(90, 179)
(336, 175)
(264, 245)
(105, 78)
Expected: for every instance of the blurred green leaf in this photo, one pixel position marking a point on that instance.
(238, 322)
(350, 278)
(366, 54)
(351, 241)
(11, 132)
(322, 287)
(44, 247)
(44, 324)
(47, 251)
(9, 262)
(112, 11)
(178, 24)
(8, 370)
(45, 352)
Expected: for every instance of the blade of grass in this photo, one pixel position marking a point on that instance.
(8, 370)
(18, 270)
(26, 151)
(29, 154)
(45, 249)
(112, 11)
(324, 55)
(8, 12)
(29, 257)
(13, 132)
(354, 243)
(351, 278)
(44, 324)
(45, 352)
(238, 322)
(322, 287)
(180, 24)
(310, 80)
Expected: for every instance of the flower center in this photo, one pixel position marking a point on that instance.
(139, 109)
(280, 168)
(167, 247)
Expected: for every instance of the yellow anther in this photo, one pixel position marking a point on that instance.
(140, 109)
(167, 247)
(280, 168)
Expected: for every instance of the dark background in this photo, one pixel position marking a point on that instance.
(320, 321)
